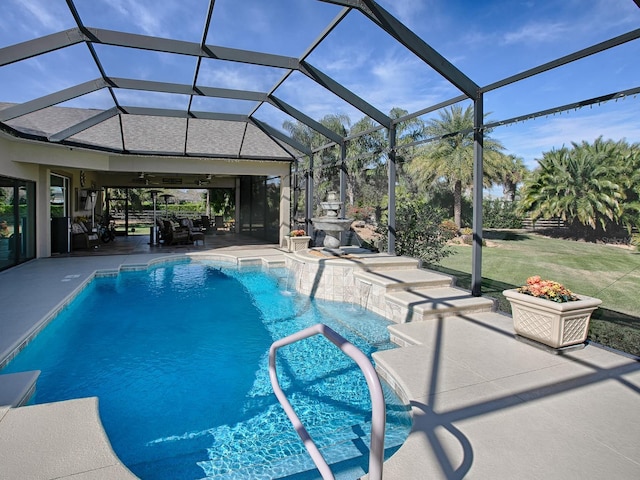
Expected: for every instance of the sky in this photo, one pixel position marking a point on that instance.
(486, 40)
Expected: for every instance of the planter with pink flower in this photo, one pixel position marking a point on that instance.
(297, 240)
(547, 312)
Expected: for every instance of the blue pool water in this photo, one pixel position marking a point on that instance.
(178, 357)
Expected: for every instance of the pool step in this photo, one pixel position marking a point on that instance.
(376, 262)
(425, 354)
(347, 458)
(426, 303)
(404, 279)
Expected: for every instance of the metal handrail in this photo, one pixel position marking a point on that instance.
(376, 447)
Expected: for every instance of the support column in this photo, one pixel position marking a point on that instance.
(309, 198)
(391, 233)
(236, 220)
(295, 184)
(285, 209)
(478, 145)
(343, 179)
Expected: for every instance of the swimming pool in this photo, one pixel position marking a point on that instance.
(178, 358)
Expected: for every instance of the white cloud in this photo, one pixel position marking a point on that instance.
(146, 18)
(420, 15)
(605, 14)
(344, 60)
(536, 33)
(238, 77)
(37, 16)
(41, 11)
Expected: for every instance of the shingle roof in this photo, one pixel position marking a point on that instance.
(153, 134)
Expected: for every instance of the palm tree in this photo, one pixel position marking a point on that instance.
(449, 160)
(365, 165)
(513, 171)
(326, 170)
(577, 185)
(630, 175)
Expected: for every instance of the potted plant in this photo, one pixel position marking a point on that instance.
(549, 313)
(297, 240)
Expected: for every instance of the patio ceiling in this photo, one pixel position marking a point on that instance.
(190, 112)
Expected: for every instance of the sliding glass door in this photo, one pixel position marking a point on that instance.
(260, 207)
(17, 221)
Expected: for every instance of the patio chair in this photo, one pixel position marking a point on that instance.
(219, 224)
(172, 235)
(82, 237)
(195, 233)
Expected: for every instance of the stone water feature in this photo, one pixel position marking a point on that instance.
(330, 223)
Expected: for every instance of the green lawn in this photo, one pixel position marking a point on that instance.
(609, 273)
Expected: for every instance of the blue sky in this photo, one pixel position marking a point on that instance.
(487, 40)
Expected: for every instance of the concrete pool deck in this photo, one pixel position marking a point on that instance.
(484, 404)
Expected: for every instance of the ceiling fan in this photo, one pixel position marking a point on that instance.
(205, 181)
(143, 178)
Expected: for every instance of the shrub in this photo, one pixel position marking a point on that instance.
(449, 229)
(498, 213)
(418, 232)
(360, 213)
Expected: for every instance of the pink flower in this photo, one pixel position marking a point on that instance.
(547, 289)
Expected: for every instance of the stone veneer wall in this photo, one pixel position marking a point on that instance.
(334, 279)
(326, 279)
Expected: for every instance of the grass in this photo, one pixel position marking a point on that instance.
(609, 273)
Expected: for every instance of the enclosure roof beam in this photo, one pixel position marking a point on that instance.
(572, 57)
(72, 36)
(334, 23)
(52, 99)
(184, 89)
(413, 42)
(165, 112)
(569, 106)
(181, 47)
(40, 46)
(345, 94)
(301, 117)
(125, 83)
(84, 125)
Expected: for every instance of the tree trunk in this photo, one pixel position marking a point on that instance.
(457, 204)
(351, 196)
(509, 190)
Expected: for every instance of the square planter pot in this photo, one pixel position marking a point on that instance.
(554, 324)
(293, 244)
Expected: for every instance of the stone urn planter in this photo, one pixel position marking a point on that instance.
(294, 244)
(551, 323)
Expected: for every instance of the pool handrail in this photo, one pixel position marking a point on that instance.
(378, 419)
